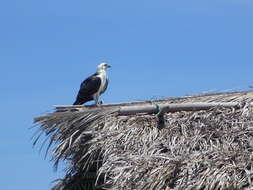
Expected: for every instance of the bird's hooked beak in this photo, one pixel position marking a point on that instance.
(108, 66)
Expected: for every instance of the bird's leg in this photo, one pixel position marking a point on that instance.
(96, 98)
(97, 102)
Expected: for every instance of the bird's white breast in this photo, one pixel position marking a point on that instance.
(103, 77)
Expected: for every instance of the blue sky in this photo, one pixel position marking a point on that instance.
(158, 48)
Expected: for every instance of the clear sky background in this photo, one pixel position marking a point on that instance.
(157, 48)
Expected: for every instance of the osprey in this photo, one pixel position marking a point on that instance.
(92, 87)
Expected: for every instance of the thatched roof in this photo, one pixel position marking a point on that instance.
(200, 149)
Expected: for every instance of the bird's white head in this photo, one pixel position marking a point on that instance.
(103, 66)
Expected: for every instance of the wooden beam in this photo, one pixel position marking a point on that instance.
(153, 108)
(163, 108)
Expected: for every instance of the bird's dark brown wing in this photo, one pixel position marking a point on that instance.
(88, 87)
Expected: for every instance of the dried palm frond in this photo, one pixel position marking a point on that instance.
(70, 134)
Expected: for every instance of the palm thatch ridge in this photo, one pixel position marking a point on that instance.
(195, 149)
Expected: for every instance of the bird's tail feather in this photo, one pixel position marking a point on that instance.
(77, 103)
(81, 100)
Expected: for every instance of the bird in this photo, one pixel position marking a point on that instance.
(93, 86)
